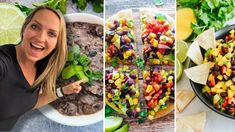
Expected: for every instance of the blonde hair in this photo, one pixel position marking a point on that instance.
(56, 59)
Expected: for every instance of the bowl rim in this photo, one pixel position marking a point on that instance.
(81, 120)
(218, 35)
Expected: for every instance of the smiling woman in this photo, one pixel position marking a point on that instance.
(28, 71)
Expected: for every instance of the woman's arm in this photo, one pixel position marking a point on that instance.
(45, 98)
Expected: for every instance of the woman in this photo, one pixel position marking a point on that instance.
(32, 66)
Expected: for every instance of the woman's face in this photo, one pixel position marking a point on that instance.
(40, 35)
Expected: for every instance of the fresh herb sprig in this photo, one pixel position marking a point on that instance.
(209, 13)
(97, 4)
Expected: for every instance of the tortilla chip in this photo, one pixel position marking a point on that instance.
(198, 74)
(183, 99)
(195, 121)
(181, 127)
(194, 53)
(207, 39)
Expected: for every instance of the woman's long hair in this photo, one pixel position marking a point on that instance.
(55, 60)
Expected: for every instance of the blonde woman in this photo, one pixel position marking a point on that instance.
(28, 71)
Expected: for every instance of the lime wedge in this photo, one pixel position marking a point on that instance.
(181, 50)
(112, 123)
(123, 128)
(10, 24)
(179, 69)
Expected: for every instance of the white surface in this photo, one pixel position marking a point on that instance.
(82, 120)
(214, 122)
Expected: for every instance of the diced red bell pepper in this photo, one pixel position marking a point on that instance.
(152, 103)
(225, 103)
(211, 81)
(223, 69)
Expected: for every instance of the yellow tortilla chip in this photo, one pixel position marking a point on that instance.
(195, 121)
(194, 53)
(198, 74)
(207, 39)
(181, 127)
(183, 99)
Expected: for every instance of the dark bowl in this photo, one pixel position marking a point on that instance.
(197, 88)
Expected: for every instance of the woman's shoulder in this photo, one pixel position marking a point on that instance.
(7, 50)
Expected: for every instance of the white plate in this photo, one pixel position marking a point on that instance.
(82, 120)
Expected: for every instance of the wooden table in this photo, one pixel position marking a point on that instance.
(166, 123)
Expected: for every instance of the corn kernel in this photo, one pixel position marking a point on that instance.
(146, 74)
(109, 95)
(119, 28)
(220, 77)
(228, 72)
(122, 76)
(161, 102)
(116, 76)
(167, 93)
(115, 37)
(170, 78)
(151, 112)
(232, 87)
(127, 96)
(131, 101)
(156, 108)
(149, 88)
(152, 35)
(135, 101)
(150, 117)
(137, 94)
(137, 109)
(111, 81)
(156, 61)
(155, 43)
(228, 83)
(159, 55)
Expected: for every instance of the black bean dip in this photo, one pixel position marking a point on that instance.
(89, 37)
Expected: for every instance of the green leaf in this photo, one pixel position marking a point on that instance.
(114, 62)
(97, 6)
(26, 10)
(130, 23)
(63, 6)
(81, 4)
(108, 111)
(204, 18)
(140, 63)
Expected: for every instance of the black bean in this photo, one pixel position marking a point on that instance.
(216, 67)
(92, 53)
(148, 79)
(133, 76)
(132, 92)
(161, 96)
(223, 94)
(129, 113)
(210, 58)
(172, 99)
(124, 32)
(233, 60)
(233, 67)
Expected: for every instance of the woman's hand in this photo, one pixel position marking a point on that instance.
(72, 88)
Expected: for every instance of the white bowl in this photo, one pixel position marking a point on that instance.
(81, 120)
